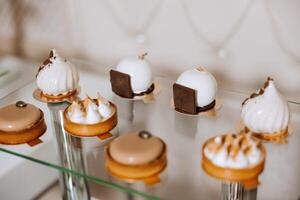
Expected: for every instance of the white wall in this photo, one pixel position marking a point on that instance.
(88, 29)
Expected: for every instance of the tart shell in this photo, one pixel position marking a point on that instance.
(91, 130)
(61, 96)
(278, 137)
(24, 136)
(247, 176)
(45, 98)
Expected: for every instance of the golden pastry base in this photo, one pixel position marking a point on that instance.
(248, 177)
(147, 173)
(29, 135)
(147, 98)
(91, 130)
(69, 97)
(208, 113)
(278, 137)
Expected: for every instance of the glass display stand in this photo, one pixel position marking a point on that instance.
(184, 135)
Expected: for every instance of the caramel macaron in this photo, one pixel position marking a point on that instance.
(21, 123)
(136, 156)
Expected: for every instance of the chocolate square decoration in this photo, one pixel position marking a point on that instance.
(184, 99)
(120, 83)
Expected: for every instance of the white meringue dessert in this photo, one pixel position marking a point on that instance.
(90, 111)
(233, 151)
(203, 82)
(266, 111)
(57, 76)
(139, 70)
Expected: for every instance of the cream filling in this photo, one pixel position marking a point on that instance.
(88, 112)
(241, 157)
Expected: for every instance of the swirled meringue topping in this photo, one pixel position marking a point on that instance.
(266, 111)
(57, 76)
(92, 115)
(90, 111)
(233, 151)
(75, 113)
(103, 106)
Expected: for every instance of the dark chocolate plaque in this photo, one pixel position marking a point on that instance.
(184, 99)
(120, 83)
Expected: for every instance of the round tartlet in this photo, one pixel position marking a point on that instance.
(136, 157)
(21, 123)
(91, 130)
(248, 176)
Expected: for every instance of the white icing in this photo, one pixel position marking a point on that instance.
(238, 162)
(89, 104)
(91, 109)
(209, 154)
(266, 113)
(104, 107)
(254, 156)
(90, 112)
(218, 140)
(203, 82)
(57, 77)
(220, 158)
(76, 114)
(92, 115)
(140, 73)
(243, 158)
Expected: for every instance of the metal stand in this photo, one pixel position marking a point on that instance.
(250, 194)
(236, 191)
(70, 156)
(129, 196)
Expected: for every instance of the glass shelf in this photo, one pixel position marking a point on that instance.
(184, 135)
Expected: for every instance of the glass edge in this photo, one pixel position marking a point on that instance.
(102, 182)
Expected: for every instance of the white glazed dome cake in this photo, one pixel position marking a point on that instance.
(57, 76)
(140, 73)
(233, 151)
(202, 82)
(266, 111)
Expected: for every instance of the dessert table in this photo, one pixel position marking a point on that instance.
(184, 136)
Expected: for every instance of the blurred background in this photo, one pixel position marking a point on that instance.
(240, 41)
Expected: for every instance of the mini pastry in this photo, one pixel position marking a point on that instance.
(136, 157)
(57, 77)
(104, 107)
(234, 158)
(266, 113)
(21, 123)
(90, 117)
(132, 78)
(195, 91)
